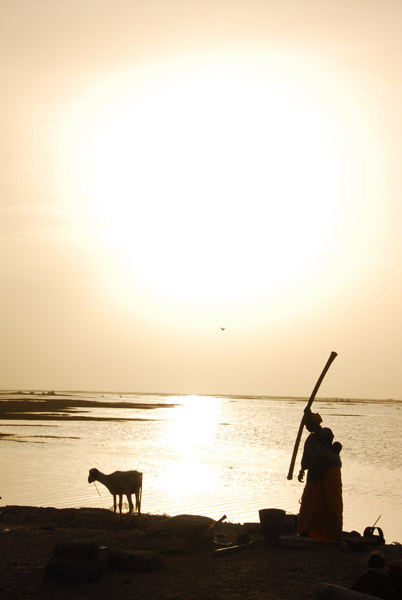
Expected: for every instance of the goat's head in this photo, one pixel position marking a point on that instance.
(93, 475)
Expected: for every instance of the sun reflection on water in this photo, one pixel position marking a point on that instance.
(194, 425)
(191, 435)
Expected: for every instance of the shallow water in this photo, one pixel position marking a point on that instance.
(206, 455)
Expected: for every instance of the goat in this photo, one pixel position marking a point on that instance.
(121, 483)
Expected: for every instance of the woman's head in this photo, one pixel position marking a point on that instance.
(312, 421)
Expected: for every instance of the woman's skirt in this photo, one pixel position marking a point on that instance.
(321, 507)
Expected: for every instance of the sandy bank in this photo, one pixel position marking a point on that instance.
(263, 570)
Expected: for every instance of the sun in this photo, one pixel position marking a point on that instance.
(213, 184)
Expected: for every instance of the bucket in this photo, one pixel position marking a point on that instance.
(272, 522)
(376, 539)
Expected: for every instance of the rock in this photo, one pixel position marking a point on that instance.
(187, 526)
(135, 560)
(77, 562)
(74, 551)
(163, 545)
(73, 572)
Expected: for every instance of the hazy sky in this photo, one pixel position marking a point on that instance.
(173, 167)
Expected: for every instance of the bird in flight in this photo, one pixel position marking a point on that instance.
(223, 328)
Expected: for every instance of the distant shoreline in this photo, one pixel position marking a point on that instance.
(57, 406)
(27, 394)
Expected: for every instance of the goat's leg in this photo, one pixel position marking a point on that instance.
(138, 505)
(120, 504)
(114, 508)
(130, 506)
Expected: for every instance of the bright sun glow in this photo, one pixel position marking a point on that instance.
(191, 435)
(214, 185)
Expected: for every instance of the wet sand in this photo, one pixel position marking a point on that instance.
(262, 570)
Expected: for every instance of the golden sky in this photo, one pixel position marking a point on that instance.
(173, 167)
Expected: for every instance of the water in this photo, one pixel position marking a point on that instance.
(205, 455)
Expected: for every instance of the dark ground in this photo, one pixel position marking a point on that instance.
(263, 570)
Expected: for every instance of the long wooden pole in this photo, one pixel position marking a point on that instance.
(332, 357)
